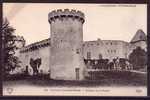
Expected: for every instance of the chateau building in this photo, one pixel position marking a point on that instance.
(63, 54)
(109, 49)
(97, 49)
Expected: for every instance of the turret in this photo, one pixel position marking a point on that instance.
(66, 13)
(66, 60)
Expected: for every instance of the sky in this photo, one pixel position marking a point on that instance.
(103, 21)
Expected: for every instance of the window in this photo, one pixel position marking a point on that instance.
(100, 56)
(88, 55)
(77, 51)
(108, 51)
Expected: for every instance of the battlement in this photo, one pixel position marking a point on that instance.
(36, 46)
(64, 14)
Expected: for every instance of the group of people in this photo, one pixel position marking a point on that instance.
(115, 64)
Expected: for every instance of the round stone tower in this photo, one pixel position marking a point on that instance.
(66, 54)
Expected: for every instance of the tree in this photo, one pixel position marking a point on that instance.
(35, 64)
(122, 63)
(10, 61)
(138, 58)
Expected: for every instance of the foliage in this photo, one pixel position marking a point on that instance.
(35, 64)
(122, 62)
(138, 58)
(10, 61)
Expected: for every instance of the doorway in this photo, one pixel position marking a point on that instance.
(77, 73)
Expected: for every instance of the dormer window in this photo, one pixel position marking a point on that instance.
(140, 37)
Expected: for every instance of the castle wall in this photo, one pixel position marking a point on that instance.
(123, 50)
(45, 55)
(42, 53)
(109, 49)
(94, 48)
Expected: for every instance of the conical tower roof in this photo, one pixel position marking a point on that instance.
(139, 36)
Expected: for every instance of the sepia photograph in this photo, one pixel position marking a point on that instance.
(74, 49)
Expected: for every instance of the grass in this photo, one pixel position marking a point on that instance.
(110, 78)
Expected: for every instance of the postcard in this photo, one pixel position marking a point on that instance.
(75, 49)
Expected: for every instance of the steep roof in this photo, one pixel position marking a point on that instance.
(139, 36)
